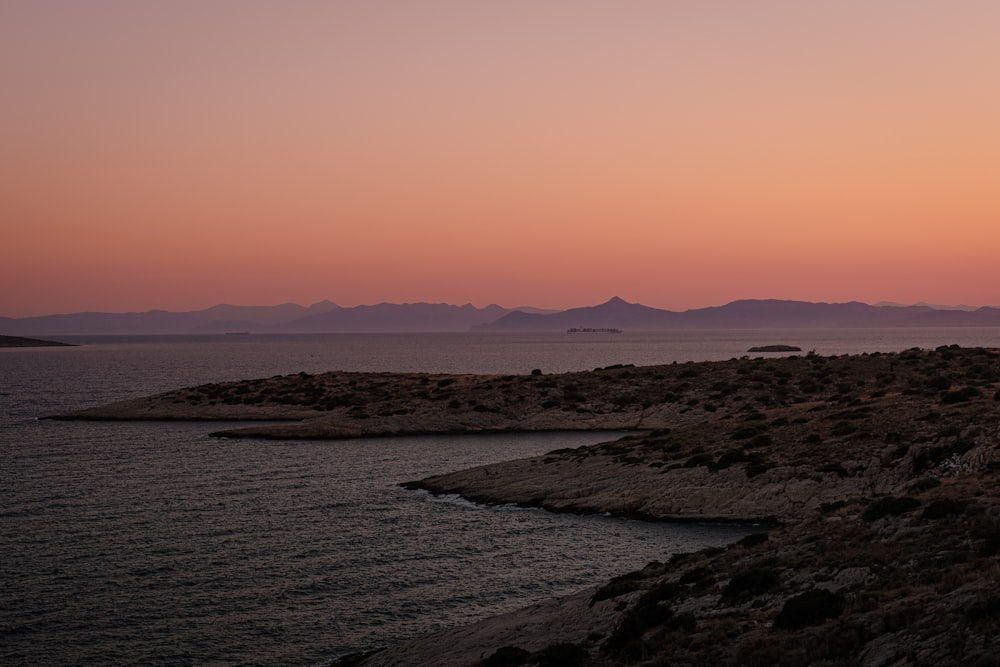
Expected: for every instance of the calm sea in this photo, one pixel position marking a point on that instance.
(151, 543)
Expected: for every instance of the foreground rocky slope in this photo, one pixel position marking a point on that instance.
(902, 579)
(889, 554)
(884, 470)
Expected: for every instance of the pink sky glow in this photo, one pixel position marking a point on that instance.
(180, 154)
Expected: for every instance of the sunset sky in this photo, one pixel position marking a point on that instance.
(553, 153)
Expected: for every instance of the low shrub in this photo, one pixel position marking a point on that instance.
(984, 610)
(836, 468)
(889, 506)
(699, 460)
(564, 654)
(751, 583)
(923, 484)
(625, 640)
(752, 540)
(620, 585)
(944, 507)
(843, 428)
(810, 608)
(728, 458)
(827, 508)
(940, 383)
(744, 433)
(507, 656)
(960, 396)
(991, 542)
(661, 593)
(698, 577)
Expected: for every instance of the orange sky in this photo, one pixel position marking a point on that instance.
(553, 153)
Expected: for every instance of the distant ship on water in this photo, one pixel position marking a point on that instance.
(592, 330)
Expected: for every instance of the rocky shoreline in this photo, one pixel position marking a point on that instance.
(883, 469)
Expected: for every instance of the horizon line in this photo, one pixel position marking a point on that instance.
(334, 304)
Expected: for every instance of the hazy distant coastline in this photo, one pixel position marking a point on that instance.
(616, 313)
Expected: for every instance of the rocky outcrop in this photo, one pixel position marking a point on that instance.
(781, 464)
(561, 620)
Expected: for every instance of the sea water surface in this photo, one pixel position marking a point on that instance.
(151, 543)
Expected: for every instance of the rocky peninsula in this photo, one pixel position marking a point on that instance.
(883, 471)
(19, 341)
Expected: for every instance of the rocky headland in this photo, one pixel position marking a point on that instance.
(883, 471)
(19, 341)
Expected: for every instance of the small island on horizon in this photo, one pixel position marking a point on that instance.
(775, 348)
(593, 330)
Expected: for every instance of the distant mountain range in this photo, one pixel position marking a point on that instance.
(328, 317)
(746, 314)
(323, 317)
